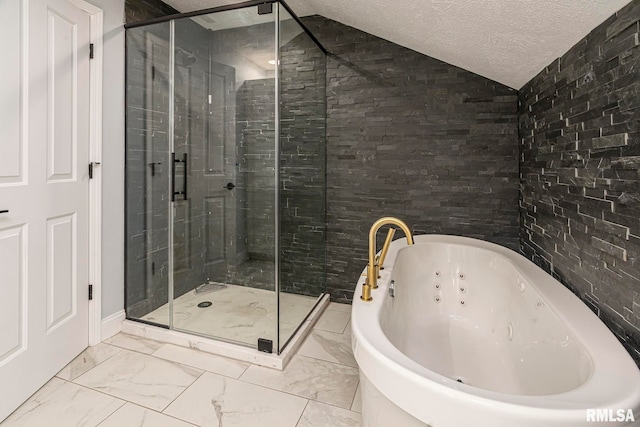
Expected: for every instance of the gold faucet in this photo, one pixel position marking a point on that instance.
(374, 263)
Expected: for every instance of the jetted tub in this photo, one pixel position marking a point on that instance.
(477, 335)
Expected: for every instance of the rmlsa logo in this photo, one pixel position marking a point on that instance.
(609, 415)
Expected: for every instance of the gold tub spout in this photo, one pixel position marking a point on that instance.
(372, 268)
(385, 248)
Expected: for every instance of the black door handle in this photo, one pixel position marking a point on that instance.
(182, 193)
(173, 177)
(230, 186)
(4, 211)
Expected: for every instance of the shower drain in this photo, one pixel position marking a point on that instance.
(205, 304)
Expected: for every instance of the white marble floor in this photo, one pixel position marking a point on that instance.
(128, 381)
(237, 313)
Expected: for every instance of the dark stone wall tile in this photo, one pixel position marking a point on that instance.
(412, 137)
(580, 172)
(141, 10)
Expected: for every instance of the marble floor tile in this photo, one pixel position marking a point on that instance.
(201, 360)
(130, 342)
(131, 415)
(333, 321)
(318, 414)
(357, 401)
(328, 346)
(217, 401)
(311, 378)
(63, 404)
(141, 379)
(237, 313)
(336, 306)
(347, 329)
(87, 360)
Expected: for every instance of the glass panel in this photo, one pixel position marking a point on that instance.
(302, 174)
(147, 173)
(224, 137)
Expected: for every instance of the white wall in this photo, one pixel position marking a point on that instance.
(113, 133)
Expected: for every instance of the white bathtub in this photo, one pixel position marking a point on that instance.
(528, 352)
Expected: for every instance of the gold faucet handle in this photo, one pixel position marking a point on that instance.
(366, 292)
(377, 266)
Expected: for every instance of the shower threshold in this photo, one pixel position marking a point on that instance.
(224, 348)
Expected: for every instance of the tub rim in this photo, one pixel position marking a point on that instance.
(373, 351)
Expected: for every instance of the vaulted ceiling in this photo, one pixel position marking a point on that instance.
(509, 41)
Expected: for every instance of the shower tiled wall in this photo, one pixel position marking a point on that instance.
(256, 133)
(302, 164)
(580, 172)
(141, 10)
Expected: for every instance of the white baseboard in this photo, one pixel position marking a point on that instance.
(112, 325)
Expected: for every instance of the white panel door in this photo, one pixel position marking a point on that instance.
(44, 193)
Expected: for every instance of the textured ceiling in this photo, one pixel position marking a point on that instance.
(509, 41)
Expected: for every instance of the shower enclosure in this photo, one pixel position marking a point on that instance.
(225, 173)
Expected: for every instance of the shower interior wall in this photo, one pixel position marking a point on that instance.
(250, 116)
(301, 158)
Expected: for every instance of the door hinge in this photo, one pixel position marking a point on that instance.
(90, 292)
(90, 50)
(91, 165)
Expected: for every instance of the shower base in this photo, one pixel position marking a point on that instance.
(237, 313)
(237, 317)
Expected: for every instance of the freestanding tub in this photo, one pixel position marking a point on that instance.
(477, 335)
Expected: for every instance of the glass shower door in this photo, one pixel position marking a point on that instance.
(224, 174)
(148, 173)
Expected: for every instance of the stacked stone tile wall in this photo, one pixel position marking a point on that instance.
(412, 137)
(579, 123)
(256, 133)
(141, 10)
(302, 167)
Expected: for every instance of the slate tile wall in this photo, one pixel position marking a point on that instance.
(302, 167)
(256, 132)
(579, 123)
(302, 163)
(141, 10)
(412, 137)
